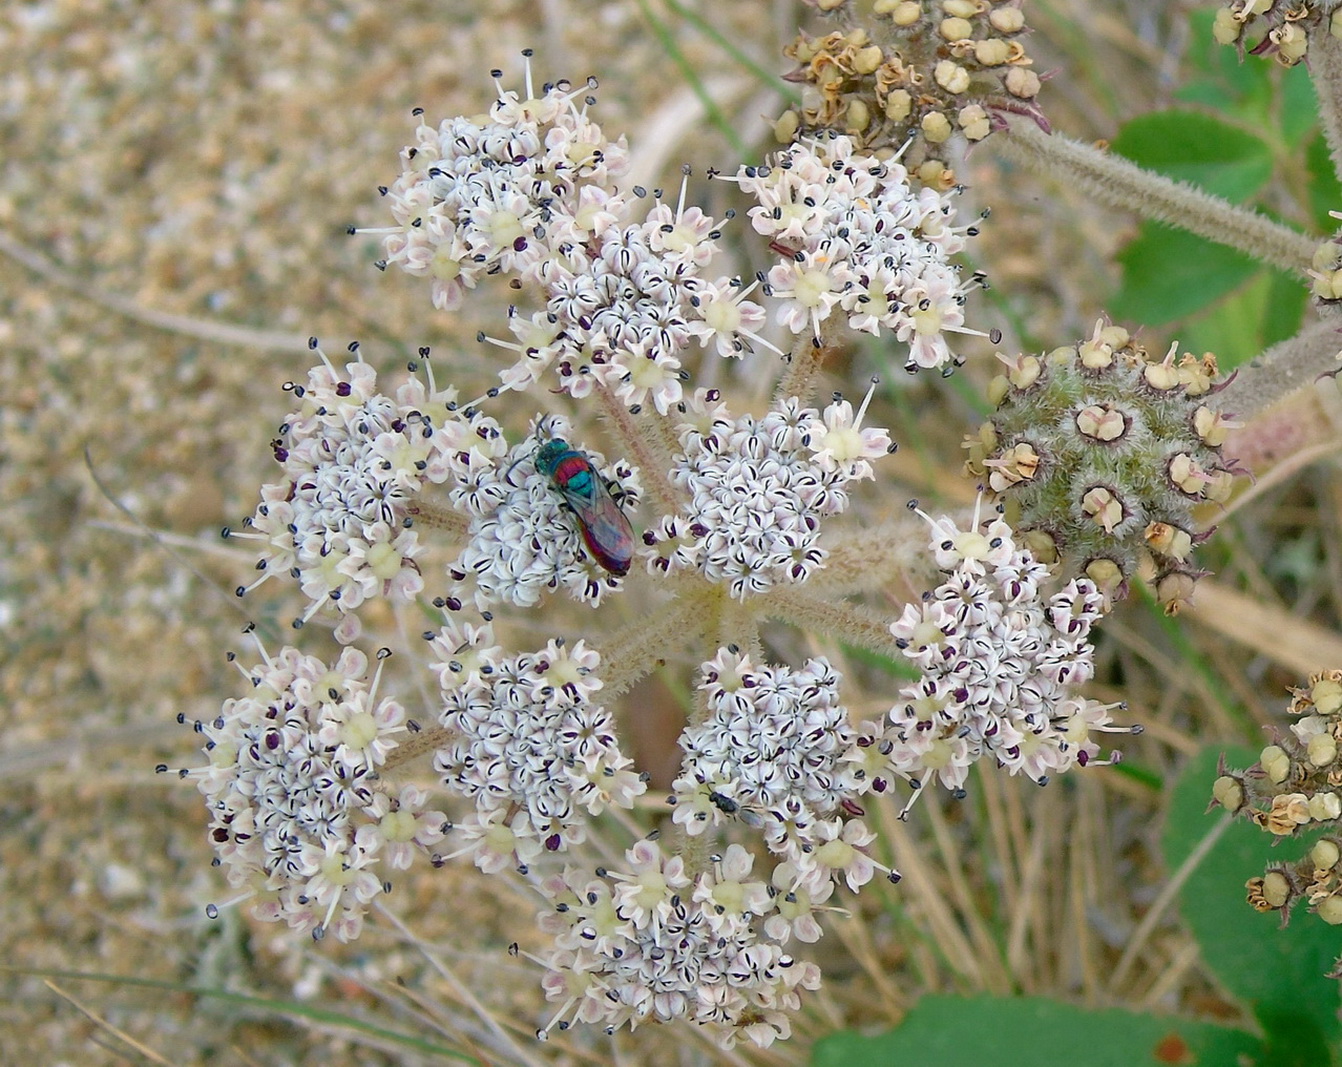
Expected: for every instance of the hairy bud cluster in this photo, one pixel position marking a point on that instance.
(1279, 29)
(1101, 454)
(931, 71)
(1297, 784)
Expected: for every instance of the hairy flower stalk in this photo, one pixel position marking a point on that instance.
(1119, 183)
(677, 544)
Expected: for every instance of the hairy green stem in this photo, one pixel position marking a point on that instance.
(1325, 65)
(1282, 369)
(1122, 184)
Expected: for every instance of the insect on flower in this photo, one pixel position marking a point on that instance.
(604, 527)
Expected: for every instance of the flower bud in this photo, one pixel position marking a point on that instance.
(1226, 28)
(951, 76)
(992, 52)
(1327, 696)
(1022, 82)
(1276, 889)
(1325, 854)
(898, 105)
(1322, 749)
(1325, 807)
(955, 29)
(1329, 909)
(1228, 793)
(1275, 763)
(1006, 19)
(936, 127)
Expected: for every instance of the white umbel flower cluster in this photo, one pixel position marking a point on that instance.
(652, 944)
(529, 745)
(354, 460)
(529, 193)
(758, 490)
(296, 815)
(859, 239)
(1000, 660)
(523, 541)
(777, 751)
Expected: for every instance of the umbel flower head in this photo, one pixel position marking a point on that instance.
(298, 818)
(529, 745)
(858, 240)
(614, 305)
(1101, 453)
(1001, 658)
(919, 76)
(354, 463)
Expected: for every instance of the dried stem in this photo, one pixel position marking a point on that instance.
(1122, 184)
(218, 332)
(861, 560)
(417, 744)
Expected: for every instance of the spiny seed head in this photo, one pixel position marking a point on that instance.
(1102, 453)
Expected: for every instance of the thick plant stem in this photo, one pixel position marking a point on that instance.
(647, 448)
(454, 523)
(1282, 369)
(860, 560)
(416, 744)
(636, 651)
(807, 355)
(848, 622)
(1122, 184)
(1325, 64)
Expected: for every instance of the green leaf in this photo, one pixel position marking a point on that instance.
(1325, 191)
(1034, 1032)
(1249, 321)
(1278, 973)
(1171, 273)
(1193, 147)
(1220, 81)
(1299, 105)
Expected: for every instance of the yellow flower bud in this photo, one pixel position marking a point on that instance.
(1227, 792)
(898, 105)
(1325, 807)
(1226, 28)
(955, 29)
(1322, 749)
(936, 127)
(1022, 82)
(951, 76)
(1276, 889)
(1327, 696)
(1275, 763)
(1325, 854)
(1329, 909)
(1006, 19)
